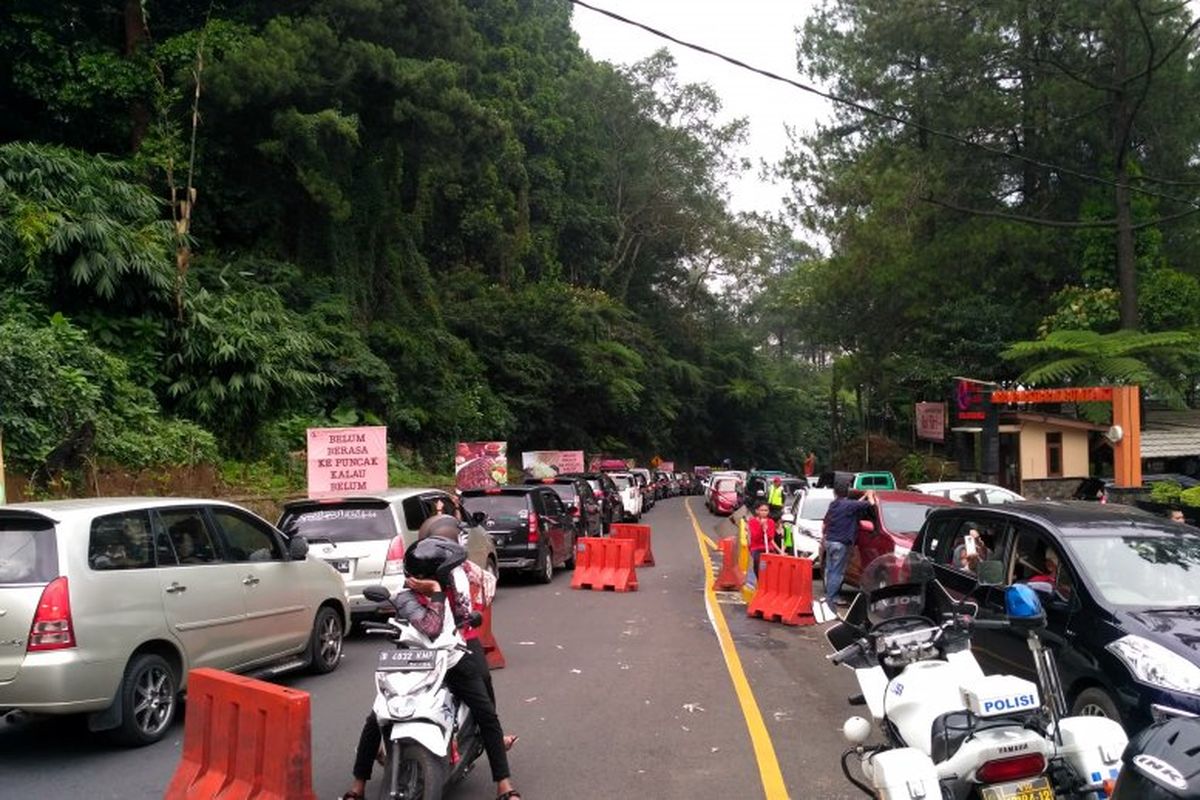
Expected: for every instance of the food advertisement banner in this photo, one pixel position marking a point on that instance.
(347, 461)
(480, 465)
(548, 463)
(931, 421)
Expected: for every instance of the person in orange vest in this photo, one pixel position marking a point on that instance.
(810, 464)
(760, 535)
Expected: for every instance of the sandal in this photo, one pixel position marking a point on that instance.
(511, 794)
(509, 741)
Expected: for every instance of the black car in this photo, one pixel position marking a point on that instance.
(607, 494)
(580, 500)
(533, 531)
(1120, 588)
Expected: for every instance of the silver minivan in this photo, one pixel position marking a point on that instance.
(107, 603)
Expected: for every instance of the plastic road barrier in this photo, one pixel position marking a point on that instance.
(495, 656)
(730, 576)
(243, 739)
(643, 556)
(784, 591)
(604, 564)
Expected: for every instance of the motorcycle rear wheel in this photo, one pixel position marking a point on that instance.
(412, 773)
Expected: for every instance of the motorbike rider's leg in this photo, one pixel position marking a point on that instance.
(478, 653)
(364, 757)
(836, 556)
(466, 681)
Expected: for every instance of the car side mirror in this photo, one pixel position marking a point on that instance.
(990, 573)
(297, 548)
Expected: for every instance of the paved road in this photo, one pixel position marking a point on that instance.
(623, 695)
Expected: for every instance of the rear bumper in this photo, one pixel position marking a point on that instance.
(518, 563)
(62, 682)
(361, 607)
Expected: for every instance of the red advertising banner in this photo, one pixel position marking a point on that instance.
(347, 461)
(548, 463)
(667, 466)
(931, 421)
(480, 465)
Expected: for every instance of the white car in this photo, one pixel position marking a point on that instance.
(805, 512)
(982, 494)
(631, 495)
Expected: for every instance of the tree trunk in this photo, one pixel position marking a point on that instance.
(1121, 132)
(136, 33)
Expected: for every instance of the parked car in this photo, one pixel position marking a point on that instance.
(580, 500)
(1119, 588)
(109, 602)
(873, 480)
(726, 496)
(612, 508)
(646, 483)
(533, 530)
(805, 513)
(891, 527)
(364, 537)
(631, 495)
(981, 494)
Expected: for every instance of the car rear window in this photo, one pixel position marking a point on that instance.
(351, 522)
(621, 481)
(565, 492)
(498, 507)
(28, 551)
(904, 517)
(814, 507)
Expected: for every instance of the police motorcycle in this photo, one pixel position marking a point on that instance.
(1162, 762)
(949, 731)
(430, 739)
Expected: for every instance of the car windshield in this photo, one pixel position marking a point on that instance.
(814, 507)
(340, 523)
(498, 507)
(565, 491)
(28, 551)
(1159, 571)
(904, 517)
(621, 481)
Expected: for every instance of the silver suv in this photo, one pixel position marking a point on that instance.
(105, 604)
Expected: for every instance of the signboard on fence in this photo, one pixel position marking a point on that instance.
(480, 465)
(931, 421)
(347, 461)
(548, 463)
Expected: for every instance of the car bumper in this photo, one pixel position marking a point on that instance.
(361, 607)
(524, 556)
(62, 682)
(1143, 705)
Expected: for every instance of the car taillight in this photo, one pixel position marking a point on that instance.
(393, 563)
(51, 628)
(1003, 770)
(574, 511)
(533, 528)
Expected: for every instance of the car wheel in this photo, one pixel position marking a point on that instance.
(149, 698)
(544, 571)
(325, 643)
(1095, 702)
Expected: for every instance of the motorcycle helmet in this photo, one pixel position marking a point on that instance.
(1162, 762)
(894, 586)
(434, 557)
(442, 525)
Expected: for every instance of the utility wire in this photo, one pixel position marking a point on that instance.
(884, 114)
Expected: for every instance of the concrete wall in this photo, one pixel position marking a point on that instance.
(1033, 451)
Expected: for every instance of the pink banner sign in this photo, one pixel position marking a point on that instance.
(548, 463)
(667, 466)
(480, 465)
(931, 421)
(345, 461)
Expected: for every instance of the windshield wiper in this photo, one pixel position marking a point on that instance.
(1184, 609)
(321, 540)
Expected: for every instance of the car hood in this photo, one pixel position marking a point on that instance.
(1178, 631)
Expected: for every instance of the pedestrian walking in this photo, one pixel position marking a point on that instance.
(840, 530)
(810, 464)
(760, 534)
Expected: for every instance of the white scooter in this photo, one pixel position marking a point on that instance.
(431, 740)
(950, 731)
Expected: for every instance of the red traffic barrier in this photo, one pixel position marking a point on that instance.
(784, 590)
(243, 739)
(643, 556)
(495, 656)
(730, 577)
(604, 564)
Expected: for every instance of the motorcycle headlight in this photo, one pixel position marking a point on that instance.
(1154, 664)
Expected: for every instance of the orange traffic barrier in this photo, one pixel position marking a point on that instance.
(604, 564)
(243, 739)
(495, 656)
(643, 556)
(731, 576)
(784, 590)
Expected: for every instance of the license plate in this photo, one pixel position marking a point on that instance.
(1035, 789)
(340, 564)
(405, 660)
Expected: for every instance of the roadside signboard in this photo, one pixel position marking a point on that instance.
(667, 466)
(347, 461)
(931, 421)
(480, 465)
(548, 463)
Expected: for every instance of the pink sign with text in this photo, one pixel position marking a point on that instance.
(931, 421)
(347, 461)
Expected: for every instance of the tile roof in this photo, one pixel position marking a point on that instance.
(1168, 434)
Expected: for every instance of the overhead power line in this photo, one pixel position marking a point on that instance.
(874, 112)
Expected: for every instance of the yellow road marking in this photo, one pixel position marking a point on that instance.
(711, 544)
(764, 749)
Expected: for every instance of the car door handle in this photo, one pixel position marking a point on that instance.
(250, 580)
(176, 588)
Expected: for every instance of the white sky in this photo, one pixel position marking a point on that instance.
(759, 32)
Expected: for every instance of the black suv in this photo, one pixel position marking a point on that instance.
(1119, 589)
(580, 500)
(532, 528)
(607, 494)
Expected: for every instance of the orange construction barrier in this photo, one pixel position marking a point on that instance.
(495, 656)
(243, 739)
(731, 577)
(784, 590)
(643, 556)
(604, 564)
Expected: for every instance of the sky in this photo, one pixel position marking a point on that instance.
(759, 32)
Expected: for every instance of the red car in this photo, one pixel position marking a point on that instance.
(725, 496)
(892, 526)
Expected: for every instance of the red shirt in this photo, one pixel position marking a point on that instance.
(759, 532)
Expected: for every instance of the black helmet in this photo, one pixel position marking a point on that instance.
(442, 525)
(433, 557)
(1162, 762)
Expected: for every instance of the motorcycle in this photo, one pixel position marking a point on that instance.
(430, 739)
(949, 730)
(1162, 762)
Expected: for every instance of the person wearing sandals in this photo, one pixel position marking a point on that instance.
(471, 678)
